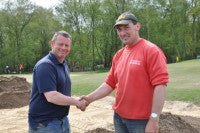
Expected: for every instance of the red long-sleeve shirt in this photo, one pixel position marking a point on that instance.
(135, 71)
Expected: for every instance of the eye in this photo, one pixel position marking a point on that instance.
(127, 27)
(60, 44)
(119, 29)
(67, 45)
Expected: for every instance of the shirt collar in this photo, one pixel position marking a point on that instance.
(54, 59)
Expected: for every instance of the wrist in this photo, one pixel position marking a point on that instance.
(154, 115)
(75, 101)
(90, 99)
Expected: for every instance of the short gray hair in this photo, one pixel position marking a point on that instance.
(62, 33)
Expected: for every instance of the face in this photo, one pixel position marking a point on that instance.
(128, 34)
(61, 47)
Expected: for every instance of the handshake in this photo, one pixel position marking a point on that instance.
(83, 102)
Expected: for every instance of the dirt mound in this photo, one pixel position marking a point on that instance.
(175, 124)
(100, 130)
(14, 92)
(168, 124)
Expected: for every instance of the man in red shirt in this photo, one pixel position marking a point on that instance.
(139, 75)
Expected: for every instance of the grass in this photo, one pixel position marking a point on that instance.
(184, 82)
(185, 75)
(191, 95)
(85, 82)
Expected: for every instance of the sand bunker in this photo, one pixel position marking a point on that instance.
(98, 118)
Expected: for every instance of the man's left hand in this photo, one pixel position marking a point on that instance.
(152, 125)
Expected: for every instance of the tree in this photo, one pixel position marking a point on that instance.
(16, 16)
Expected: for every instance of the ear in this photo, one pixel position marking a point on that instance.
(138, 26)
(51, 43)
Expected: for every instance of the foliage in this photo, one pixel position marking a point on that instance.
(26, 29)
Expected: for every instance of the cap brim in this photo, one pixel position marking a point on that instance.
(122, 22)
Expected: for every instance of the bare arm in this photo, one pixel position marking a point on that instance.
(60, 99)
(158, 102)
(100, 92)
(158, 99)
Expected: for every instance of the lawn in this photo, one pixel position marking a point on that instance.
(184, 81)
(85, 82)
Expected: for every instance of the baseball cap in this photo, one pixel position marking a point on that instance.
(125, 18)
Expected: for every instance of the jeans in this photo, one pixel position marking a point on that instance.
(55, 126)
(128, 125)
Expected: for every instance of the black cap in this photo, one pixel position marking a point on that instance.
(125, 18)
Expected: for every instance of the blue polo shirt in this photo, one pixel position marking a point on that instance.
(48, 75)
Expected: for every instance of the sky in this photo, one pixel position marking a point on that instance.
(43, 3)
(46, 3)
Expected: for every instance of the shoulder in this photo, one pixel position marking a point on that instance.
(118, 53)
(151, 48)
(44, 63)
(149, 45)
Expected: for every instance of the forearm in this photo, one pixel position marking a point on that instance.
(158, 99)
(60, 99)
(158, 102)
(102, 91)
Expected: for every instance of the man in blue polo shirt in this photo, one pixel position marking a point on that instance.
(50, 98)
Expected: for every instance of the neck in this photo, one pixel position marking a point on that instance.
(135, 41)
(61, 60)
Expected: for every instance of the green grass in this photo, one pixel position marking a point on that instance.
(85, 82)
(191, 95)
(185, 75)
(184, 82)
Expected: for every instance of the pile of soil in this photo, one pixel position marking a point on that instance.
(100, 130)
(14, 92)
(169, 123)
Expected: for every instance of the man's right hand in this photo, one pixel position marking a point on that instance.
(85, 101)
(82, 103)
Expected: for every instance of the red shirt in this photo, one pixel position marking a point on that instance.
(135, 71)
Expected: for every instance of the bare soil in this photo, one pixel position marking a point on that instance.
(14, 92)
(177, 117)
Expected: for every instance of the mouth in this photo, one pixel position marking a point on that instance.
(125, 38)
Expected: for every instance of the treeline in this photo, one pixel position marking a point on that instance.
(26, 29)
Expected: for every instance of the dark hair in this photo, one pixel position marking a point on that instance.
(63, 33)
(134, 22)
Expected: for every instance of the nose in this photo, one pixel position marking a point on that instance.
(121, 32)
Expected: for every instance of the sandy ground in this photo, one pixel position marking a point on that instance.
(98, 118)
(98, 115)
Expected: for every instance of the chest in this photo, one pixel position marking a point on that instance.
(130, 63)
(62, 78)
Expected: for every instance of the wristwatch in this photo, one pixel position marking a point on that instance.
(154, 115)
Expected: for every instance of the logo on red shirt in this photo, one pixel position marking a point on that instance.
(135, 62)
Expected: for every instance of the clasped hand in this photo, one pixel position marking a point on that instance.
(83, 102)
